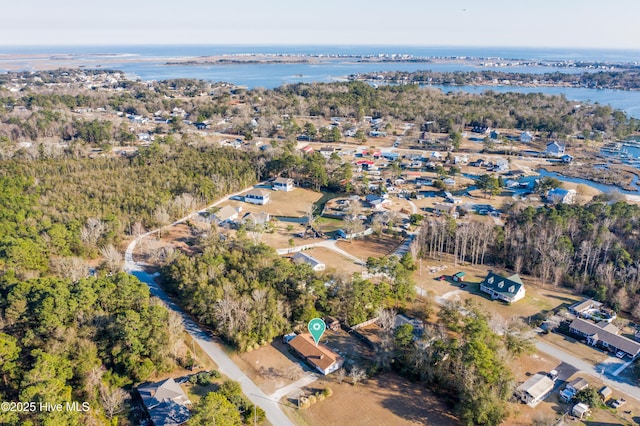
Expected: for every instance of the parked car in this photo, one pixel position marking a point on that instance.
(620, 354)
(618, 403)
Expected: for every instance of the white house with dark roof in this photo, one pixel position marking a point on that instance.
(498, 287)
(166, 403)
(282, 184)
(257, 196)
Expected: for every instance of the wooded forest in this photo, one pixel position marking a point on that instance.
(592, 248)
(74, 327)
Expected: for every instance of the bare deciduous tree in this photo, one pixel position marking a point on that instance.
(92, 232)
(162, 218)
(112, 400)
(70, 268)
(357, 374)
(112, 258)
(175, 328)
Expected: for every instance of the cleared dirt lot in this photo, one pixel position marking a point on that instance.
(370, 246)
(387, 399)
(334, 260)
(295, 203)
(269, 367)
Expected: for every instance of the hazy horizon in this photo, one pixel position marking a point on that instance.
(570, 24)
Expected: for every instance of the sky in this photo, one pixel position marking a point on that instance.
(514, 23)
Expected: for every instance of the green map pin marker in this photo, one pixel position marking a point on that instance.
(316, 328)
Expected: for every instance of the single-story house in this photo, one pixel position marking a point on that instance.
(500, 165)
(315, 264)
(446, 208)
(535, 389)
(572, 388)
(256, 219)
(561, 196)
(144, 137)
(376, 201)
(307, 149)
(342, 233)
(318, 356)
(606, 335)
(420, 180)
(282, 184)
(391, 156)
(226, 214)
(257, 196)
(326, 151)
(166, 402)
(498, 287)
(593, 310)
(554, 149)
(526, 137)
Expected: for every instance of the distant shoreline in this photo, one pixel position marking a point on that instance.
(46, 61)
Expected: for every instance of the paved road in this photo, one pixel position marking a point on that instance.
(572, 361)
(271, 407)
(298, 384)
(225, 365)
(588, 369)
(328, 244)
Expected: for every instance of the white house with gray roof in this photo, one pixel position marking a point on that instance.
(315, 264)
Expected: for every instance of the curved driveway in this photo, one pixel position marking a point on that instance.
(271, 407)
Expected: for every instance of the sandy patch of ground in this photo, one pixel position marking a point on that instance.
(269, 367)
(370, 246)
(295, 203)
(387, 399)
(334, 260)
